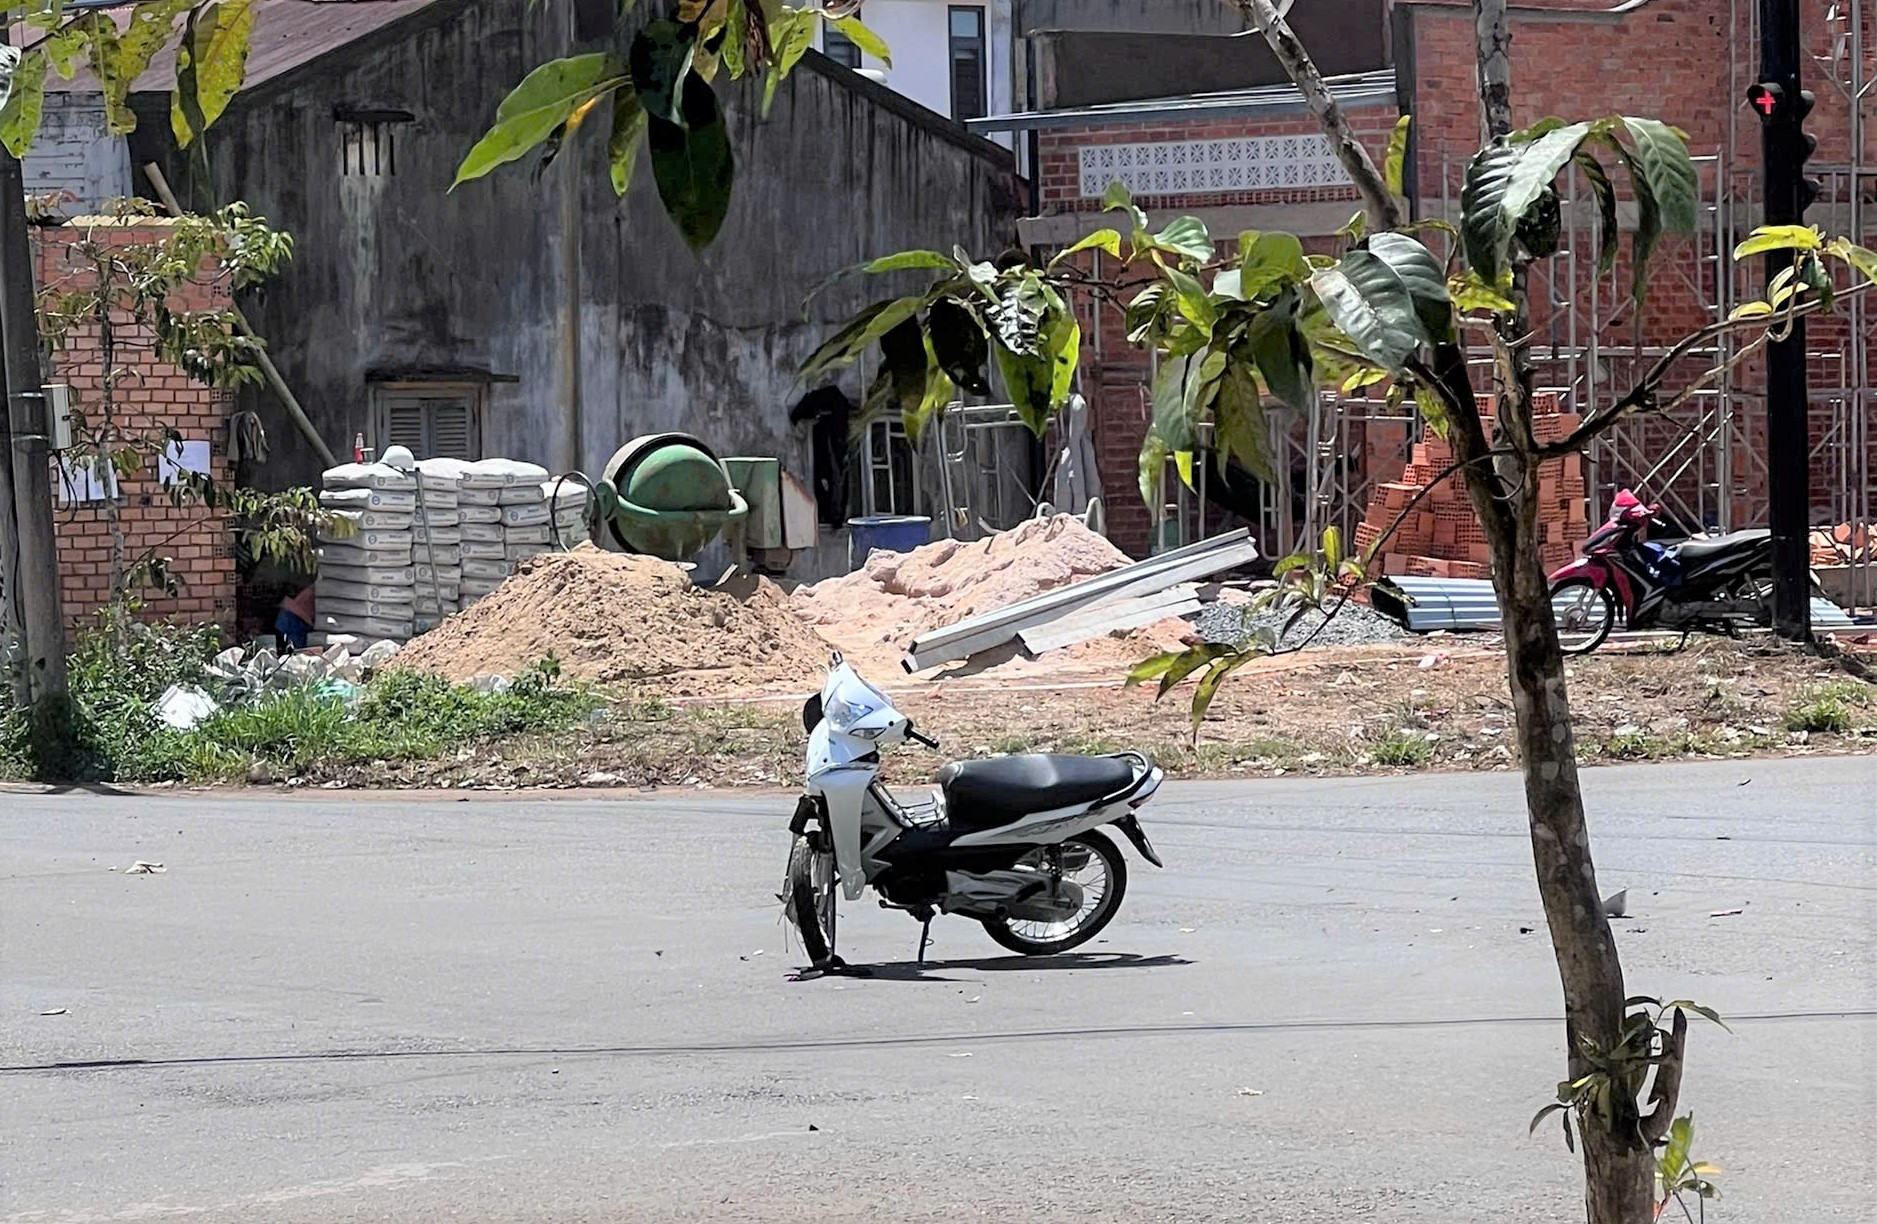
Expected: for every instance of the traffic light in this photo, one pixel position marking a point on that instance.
(1783, 116)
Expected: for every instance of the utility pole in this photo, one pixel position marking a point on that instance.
(1785, 146)
(36, 557)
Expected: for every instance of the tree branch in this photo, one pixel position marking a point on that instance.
(1666, 1093)
(1383, 208)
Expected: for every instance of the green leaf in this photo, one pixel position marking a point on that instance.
(1663, 155)
(213, 59)
(1426, 282)
(1151, 668)
(1209, 683)
(1332, 548)
(1548, 124)
(1239, 429)
(1171, 422)
(1187, 238)
(959, 344)
(1485, 231)
(660, 60)
(694, 165)
(622, 148)
(1282, 354)
(1536, 165)
(862, 330)
(1028, 379)
(64, 49)
(791, 34)
(1229, 283)
(1648, 215)
(1152, 467)
(26, 96)
(1780, 238)
(1395, 167)
(1861, 258)
(1470, 293)
(1608, 231)
(1542, 1114)
(1183, 464)
(904, 365)
(542, 103)
(1062, 339)
(1202, 383)
(1102, 239)
(735, 25)
(1751, 310)
(1194, 302)
(864, 38)
(1186, 662)
(1267, 261)
(1371, 305)
(1433, 410)
(1356, 228)
(1689, 1005)
(910, 261)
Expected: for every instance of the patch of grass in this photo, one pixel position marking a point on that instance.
(1403, 748)
(1830, 707)
(400, 715)
(1647, 746)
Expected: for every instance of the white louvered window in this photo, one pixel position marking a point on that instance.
(435, 420)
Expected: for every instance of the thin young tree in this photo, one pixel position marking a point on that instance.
(1261, 331)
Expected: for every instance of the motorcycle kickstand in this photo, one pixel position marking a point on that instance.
(925, 937)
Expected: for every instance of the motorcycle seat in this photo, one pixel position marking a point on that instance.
(994, 791)
(1696, 550)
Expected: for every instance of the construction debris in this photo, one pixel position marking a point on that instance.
(614, 617)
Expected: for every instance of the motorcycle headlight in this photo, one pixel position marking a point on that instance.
(842, 717)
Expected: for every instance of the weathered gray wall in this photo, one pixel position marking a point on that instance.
(395, 274)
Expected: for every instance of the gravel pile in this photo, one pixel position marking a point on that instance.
(1356, 625)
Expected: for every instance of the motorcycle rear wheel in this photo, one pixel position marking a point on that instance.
(1104, 868)
(1585, 614)
(811, 899)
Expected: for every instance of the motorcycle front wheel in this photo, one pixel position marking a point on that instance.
(1585, 614)
(1091, 862)
(810, 898)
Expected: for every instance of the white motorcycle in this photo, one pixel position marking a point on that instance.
(1012, 841)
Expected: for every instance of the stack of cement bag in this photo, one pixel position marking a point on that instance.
(437, 540)
(495, 497)
(366, 587)
(567, 504)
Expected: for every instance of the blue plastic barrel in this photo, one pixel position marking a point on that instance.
(892, 532)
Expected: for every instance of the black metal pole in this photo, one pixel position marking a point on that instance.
(1788, 410)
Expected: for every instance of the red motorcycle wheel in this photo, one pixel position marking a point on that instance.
(1585, 614)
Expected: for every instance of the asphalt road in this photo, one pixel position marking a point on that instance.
(1326, 1008)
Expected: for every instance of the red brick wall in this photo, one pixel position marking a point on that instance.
(152, 395)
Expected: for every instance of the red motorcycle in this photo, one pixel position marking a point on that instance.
(1713, 583)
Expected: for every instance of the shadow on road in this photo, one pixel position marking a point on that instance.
(936, 970)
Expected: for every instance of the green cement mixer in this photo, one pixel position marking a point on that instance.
(666, 495)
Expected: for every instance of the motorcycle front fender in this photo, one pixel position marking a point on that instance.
(842, 791)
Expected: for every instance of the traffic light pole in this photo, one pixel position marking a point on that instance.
(1784, 147)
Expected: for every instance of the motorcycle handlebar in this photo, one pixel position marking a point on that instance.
(917, 738)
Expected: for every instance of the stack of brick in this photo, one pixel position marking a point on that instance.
(1440, 537)
(1845, 544)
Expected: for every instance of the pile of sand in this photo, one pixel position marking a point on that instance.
(874, 612)
(613, 617)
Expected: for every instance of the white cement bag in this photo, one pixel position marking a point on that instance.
(368, 558)
(329, 590)
(525, 516)
(478, 569)
(439, 573)
(521, 552)
(367, 476)
(481, 533)
(352, 609)
(437, 554)
(368, 499)
(364, 520)
(564, 493)
(373, 539)
(431, 608)
(481, 550)
(528, 535)
(431, 516)
(367, 628)
(478, 514)
(478, 497)
(436, 535)
(384, 575)
(522, 495)
(501, 473)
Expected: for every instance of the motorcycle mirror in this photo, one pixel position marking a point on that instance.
(811, 712)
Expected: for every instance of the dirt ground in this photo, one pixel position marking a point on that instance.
(1439, 703)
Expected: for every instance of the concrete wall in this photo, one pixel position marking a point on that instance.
(394, 275)
(75, 156)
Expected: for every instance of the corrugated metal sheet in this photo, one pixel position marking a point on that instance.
(1426, 604)
(287, 34)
